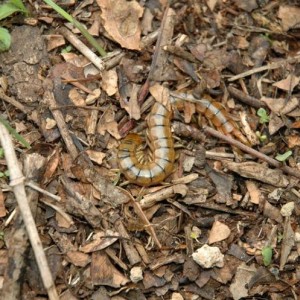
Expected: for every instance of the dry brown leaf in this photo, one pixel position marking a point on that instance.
(219, 232)
(160, 94)
(104, 273)
(76, 97)
(246, 5)
(255, 194)
(78, 258)
(275, 123)
(293, 141)
(91, 98)
(211, 4)
(243, 276)
(100, 241)
(287, 84)
(289, 15)
(288, 242)
(108, 123)
(109, 82)
(96, 156)
(54, 41)
(121, 21)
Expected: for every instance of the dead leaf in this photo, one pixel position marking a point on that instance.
(108, 123)
(293, 141)
(100, 241)
(96, 156)
(243, 276)
(78, 258)
(219, 232)
(103, 272)
(288, 242)
(109, 82)
(160, 94)
(254, 191)
(290, 16)
(211, 4)
(272, 212)
(91, 98)
(288, 83)
(246, 5)
(275, 123)
(121, 20)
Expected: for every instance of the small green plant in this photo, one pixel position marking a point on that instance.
(284, 156)
(13, 132)
(4, 174)
(264, 117)
(6, 9)
(267, 253)
(262, 137)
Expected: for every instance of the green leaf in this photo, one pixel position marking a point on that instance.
(5, 39)
(264, 117)
(267, 253)
(14, 133)
(1, 153)
(11, 7)
(284, 156)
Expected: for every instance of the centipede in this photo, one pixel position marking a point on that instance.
(161, 144)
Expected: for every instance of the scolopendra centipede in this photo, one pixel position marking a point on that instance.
(161, 142)
(161, 145)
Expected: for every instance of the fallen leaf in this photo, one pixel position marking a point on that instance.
(121, 20)
(288, 83)
(219, 232)
(243, 276)
(96, 156)
(290, 16)
(109, 82)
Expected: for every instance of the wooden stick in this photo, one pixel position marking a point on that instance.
(17, 184)
(253, 152)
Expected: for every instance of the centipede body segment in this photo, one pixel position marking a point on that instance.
(161, 143)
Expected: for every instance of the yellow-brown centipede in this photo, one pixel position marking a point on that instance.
(161, 143)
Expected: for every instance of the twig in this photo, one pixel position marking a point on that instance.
(50, 100)
(14, 102)
(271, 66)
(143, 217)
(38, 189)
(17, 183)
(82, 48)
(252, 152)
(247, 99)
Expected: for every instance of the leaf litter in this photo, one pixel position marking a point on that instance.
(114, 238)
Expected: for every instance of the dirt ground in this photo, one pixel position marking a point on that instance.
(165, 167)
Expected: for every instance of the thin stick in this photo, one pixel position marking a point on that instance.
(252, 152)
(82, 48)
(271, 66)
(139, 211)
(17, 184)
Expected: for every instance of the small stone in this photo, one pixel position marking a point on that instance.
(136, 274)
(208, 257)
(287, 209)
